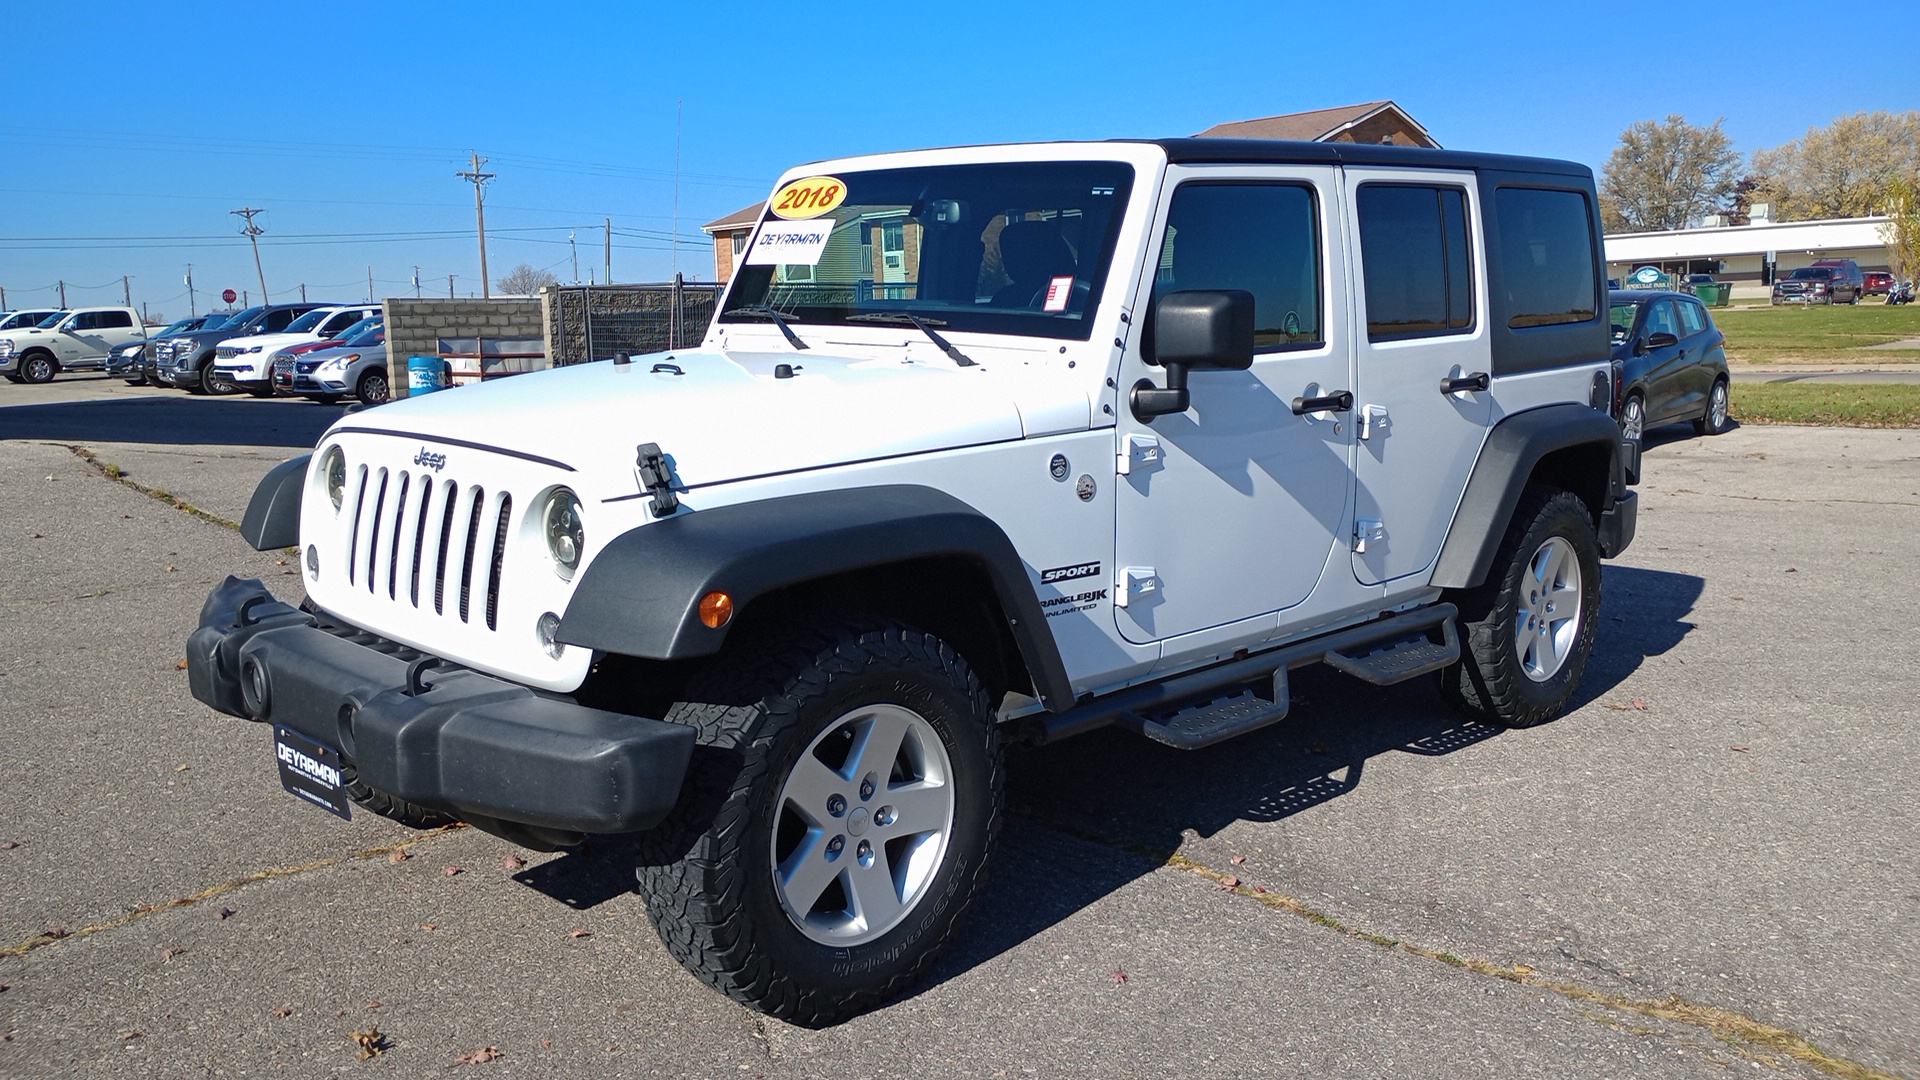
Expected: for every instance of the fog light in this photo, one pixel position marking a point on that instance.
(313, 562)
(548, 630)
(715, 609)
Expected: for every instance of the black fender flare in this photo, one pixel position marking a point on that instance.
(272, 519)
(640, 595)
(1507, 460)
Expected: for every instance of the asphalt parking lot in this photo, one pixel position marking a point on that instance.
(1707, 868)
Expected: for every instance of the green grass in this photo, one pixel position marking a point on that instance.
(1839, 404)
(1802, 335)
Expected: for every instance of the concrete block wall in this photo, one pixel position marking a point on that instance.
(415, 327)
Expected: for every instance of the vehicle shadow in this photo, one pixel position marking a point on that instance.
(175, 418)
(1090, 815)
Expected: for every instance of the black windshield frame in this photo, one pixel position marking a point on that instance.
(958, 213)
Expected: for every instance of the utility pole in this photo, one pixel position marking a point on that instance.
(303, 292)
(245, 300)
(477, 178)
(609, 251)
(193, 309)
(575, 248)
(3, 298)
(252, 233)
(369, 285)
(63, 293)
(677, 107)
(126, 289)
(449, 286)
(416, 283)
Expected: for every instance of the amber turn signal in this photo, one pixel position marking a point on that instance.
(715, 609)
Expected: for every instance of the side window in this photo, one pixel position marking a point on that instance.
(1263, 238)
(278, 320)
(1415, 255)
(1546, 253)
(115, 319)
(339, 322)
(1691, 318)
(1660, 319)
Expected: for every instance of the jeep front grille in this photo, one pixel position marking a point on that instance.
(408, 526)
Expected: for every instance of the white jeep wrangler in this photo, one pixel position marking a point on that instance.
(986, 444)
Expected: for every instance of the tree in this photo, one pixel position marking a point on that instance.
(525, 281)
(1901, 232)
(1841, 170)
(1667, 175)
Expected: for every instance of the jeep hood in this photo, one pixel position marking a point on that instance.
(727, 416)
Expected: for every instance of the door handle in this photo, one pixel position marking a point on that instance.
(1337, 402)
(1476, 381)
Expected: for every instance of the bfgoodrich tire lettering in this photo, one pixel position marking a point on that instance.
(712, 872)
(1496, 681)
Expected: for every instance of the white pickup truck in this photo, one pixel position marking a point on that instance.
(79, 342)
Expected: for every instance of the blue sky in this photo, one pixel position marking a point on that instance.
(128, 130)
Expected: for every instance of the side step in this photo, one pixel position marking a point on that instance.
(1206, 723)
(1204, 706)
(1400, 660)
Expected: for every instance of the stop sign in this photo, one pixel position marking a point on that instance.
(229, 296)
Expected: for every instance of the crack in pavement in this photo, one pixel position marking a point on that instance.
(1736, 1030)
(110, 471)
(1775, 499)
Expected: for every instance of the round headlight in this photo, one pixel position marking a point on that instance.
(336, 467)
(565, 535)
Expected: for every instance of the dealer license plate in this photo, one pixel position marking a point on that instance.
(310, 770)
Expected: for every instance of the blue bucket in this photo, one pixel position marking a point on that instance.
(426, 374)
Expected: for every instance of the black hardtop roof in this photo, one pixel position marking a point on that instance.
(1288, 152)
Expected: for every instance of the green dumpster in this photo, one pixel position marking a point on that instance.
(1713, 294)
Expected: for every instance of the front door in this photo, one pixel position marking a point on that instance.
(1229, 510)
(1422, 347)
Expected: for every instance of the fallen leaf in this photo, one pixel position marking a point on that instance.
(126, 1035)
(513, 862)
(429, 926)
(57, 933)
(168, 954)
(399, 857)
(279, 562)
(1739, 598)
(1742, 749)
(372, 1042)
(1119, 976)
(1238, 860)
(181, 666)
(224, 913)
(579, 933)
(479, 1057)
(1522, 969)
(182, 767)
(1228, 882)
(172, 570)
(8, 845)
(452, 871)
(375, 1003)
(283, 1012)
(1639, 704)
(1259, 888)
(546, 1044)
(1792, 570)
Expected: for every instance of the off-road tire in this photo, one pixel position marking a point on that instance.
(708, 870)
(38, 367)
(373, 389)
(412, 815)
(1716, 419)
(1489, 684)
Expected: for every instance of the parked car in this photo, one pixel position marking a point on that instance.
(1828, 281)
(79, 340)
(357, 365)
(1669, 363)
(26, 318)
(1877, 283)
(129, 361)
(188, 363)
(158, 356)
(247, 361)
(775, 602)
(1693, 281)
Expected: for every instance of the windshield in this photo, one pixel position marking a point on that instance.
(307, 322)
(1019, 248)
(212, 322)
(1812, 273)
(370, 331)
(1621, 316)
(241, 320)
(51, 321)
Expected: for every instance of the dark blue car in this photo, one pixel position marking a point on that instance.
(1669, 363)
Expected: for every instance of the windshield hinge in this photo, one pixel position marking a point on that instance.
(656, 475)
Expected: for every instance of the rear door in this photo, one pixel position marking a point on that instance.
(1666, 364)
(1423, 350)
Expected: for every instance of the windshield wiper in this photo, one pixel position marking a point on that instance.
(764, 312)
(925, 326)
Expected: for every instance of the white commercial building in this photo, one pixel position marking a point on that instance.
(1741, 253)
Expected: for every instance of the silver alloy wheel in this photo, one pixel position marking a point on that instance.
(37, 369)
(1546, 619)
(1633, 419)
(862, 825)
(1717, 407)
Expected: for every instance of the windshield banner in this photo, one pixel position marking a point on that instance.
(790, 243)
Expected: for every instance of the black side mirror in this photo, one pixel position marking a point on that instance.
(1195, 330)
(1659, 339)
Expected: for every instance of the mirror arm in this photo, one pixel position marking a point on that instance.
(1148, 401)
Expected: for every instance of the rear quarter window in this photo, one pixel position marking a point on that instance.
(1546, 248)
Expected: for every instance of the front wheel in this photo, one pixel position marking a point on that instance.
(37, 368)
(373, 388)
(1714, 420)
(218, 383)
(1529, 629)
(835, 825)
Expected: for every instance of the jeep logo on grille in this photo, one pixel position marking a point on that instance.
(431, 460)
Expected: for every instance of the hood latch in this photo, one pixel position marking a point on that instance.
(656, 475)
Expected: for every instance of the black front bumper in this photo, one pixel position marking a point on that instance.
(449, 739)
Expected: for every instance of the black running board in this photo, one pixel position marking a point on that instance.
(1213, 704)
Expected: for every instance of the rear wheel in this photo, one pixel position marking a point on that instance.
(1714, 420)
(1633, 418)
(835, 823)
(1527, 632)
(37, 367)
